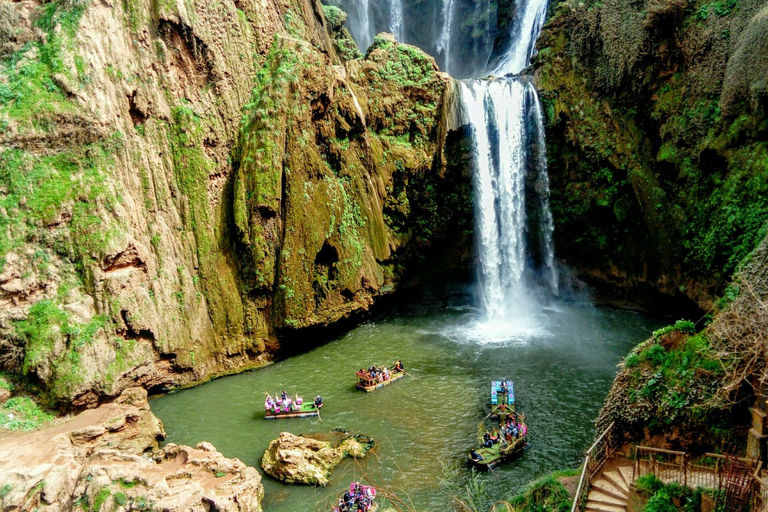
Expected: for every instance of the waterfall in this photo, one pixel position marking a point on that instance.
(494, 112)
(513, 221)
(526, 26)
(396, 19)
(546, 224)
(366, 38)
(505, 120)
(444, 42)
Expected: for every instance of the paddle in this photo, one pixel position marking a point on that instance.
(411, 376)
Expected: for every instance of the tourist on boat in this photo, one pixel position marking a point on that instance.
(475, 456)
(385, 373)
(487, 443)
(318, 402)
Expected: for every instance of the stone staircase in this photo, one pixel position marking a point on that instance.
(609, 491)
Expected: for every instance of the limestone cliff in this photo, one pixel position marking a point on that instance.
(657, 139)
(179, 180)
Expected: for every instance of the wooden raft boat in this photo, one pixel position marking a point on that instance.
(305, 410)
(365, 383)
(495, 455)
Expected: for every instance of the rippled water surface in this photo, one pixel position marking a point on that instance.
(562, 371)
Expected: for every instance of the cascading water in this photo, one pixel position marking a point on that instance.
(526, 26)
(396, 20)
(444, 41)
(513, 223)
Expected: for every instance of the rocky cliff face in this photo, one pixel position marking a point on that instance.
(179, 180)
(657, 130)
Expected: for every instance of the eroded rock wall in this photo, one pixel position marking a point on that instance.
(180, 180)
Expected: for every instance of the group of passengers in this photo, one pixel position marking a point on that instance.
(509, 430)
(375, 375)
(358, 498)
(284, 403)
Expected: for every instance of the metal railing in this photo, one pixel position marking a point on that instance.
(594, 460)
(759, 501)
(671, 466)
(706, 471)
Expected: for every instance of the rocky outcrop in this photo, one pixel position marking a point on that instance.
(302, 460)
(108, 459)
(182, 181)
(657, 141)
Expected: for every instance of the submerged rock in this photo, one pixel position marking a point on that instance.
(108, 458)
(301, 460)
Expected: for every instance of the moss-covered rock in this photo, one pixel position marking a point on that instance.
(180, 181)
(655, 165)
(328, 161)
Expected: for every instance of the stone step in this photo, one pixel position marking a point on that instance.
(626, 473)
(616, 478)
(609, 488)
(599, 507)
(606, 499)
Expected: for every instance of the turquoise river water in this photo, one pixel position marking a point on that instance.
(562, 371)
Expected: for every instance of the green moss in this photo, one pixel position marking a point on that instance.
(101, 497)
(191, 168)
(5, 490)
(45, 326)
(335, 16)
(22, 413)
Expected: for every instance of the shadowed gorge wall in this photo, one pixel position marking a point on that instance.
(657, 130)
(180, 180)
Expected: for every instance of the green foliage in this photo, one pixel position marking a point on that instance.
(667, 498)
(100, 498)
(5, 382)
(120, 498)
(648, 485)
(546, 494)
(22, 413)
(5, 490)
(720, 8)
(683, 326)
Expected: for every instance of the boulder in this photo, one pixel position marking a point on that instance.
(301, 460)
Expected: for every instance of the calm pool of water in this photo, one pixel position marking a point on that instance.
(561, 371)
